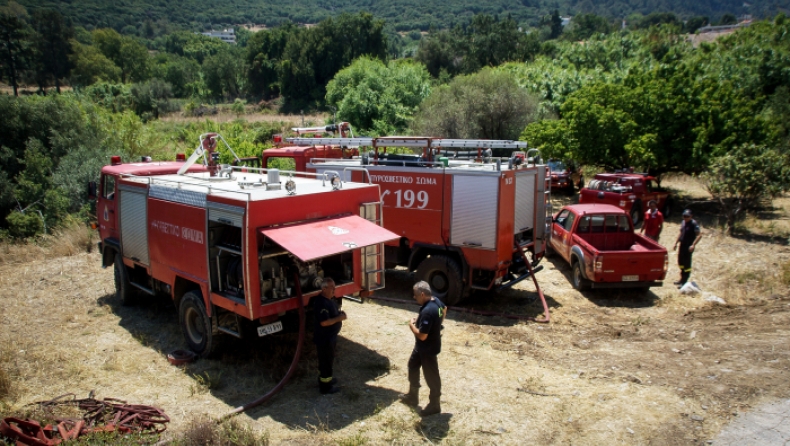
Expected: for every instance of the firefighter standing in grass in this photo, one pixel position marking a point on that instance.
(689, 236)
(427, 331)
(328, 321)
(654, 222)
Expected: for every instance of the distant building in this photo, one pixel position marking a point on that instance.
(743, 21)
(565, 21)
(227, 36)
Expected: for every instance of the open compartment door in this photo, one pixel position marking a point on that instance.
(310, 241)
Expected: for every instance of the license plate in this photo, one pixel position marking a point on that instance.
(268, 329)
(630, 278)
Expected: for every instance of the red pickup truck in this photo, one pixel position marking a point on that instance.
(599, 242)
(629, 191)
(564, 176)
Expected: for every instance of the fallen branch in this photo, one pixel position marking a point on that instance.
(536, 393)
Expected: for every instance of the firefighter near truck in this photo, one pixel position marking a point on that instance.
(237, 249)
(465, 220)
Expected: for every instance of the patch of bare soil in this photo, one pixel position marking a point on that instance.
(613, 367)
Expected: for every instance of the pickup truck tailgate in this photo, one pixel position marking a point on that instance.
(631, 266)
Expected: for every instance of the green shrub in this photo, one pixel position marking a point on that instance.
(24, 225)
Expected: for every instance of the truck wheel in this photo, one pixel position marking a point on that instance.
(636, 214)
(444, 276)
(579, 282)
(196, 325)
(124, 290)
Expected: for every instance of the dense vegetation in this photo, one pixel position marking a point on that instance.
(642, 97)
(153, 17)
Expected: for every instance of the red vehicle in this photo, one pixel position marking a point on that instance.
(564, 177)
(295, 158)
(629, 191)
(465, 220)
(599, 243)
(236, 248)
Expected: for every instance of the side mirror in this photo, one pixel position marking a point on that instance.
(91, 190)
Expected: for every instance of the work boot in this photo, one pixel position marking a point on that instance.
(412, 398)
(431, 409)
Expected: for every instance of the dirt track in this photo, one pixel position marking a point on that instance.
(661, 368)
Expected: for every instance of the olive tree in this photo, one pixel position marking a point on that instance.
(378, 97)
(741, 179)
(488, 104)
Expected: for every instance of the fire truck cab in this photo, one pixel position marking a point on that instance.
(236, 248)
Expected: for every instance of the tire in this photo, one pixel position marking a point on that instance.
(636, 214)
(196, 325)
(444, 276)
(577, 277)
(124, 290)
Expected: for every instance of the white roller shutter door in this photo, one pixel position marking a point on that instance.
(474, 213)
(134, 223)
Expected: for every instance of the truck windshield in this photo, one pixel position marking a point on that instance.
(280, 162)
(557, 166)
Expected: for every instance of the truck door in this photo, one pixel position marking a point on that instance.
(105, 207)
(561, 233)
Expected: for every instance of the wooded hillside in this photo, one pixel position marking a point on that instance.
(401, 14)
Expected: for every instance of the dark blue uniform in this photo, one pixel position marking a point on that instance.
(325, 339)
(689, 230)
(425, 352)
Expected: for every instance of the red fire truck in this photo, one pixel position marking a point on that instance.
(236, 247)
(630, 192)
(464, 219)
(297, 157)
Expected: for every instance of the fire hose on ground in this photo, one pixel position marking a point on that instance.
(268, 395)
(106, 415)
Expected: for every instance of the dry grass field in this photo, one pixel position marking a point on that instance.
(611, 368)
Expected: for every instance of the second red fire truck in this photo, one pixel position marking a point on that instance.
(465, 220)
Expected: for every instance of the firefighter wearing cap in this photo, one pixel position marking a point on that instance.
(689, 236)
(328, 321)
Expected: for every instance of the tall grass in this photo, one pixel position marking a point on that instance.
(72, 238)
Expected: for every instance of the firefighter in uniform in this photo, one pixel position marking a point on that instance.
(328, 321)
(689, 236)
(426, 329)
